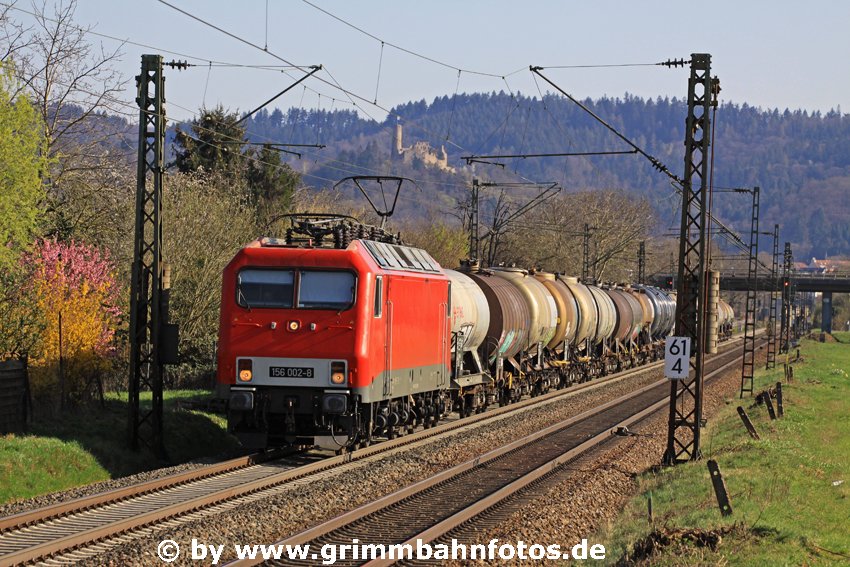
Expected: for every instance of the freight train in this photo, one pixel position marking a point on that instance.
(334, 345)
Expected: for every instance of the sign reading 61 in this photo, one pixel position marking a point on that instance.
(677, 354)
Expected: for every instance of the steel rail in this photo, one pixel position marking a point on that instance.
(552, 467)
(24, 519)
(345, 520)
(92, 504)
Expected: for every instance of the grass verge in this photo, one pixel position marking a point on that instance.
(89, 445)
(790, 491)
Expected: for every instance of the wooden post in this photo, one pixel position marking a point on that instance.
(748, 424)
(769, 403)
(719, 488)
(649, 509)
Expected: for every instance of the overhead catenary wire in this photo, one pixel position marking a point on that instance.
(600, 66)
(350, 94)
(313, 70)
(678, 182)
(562, 130)
(512, 106)
(478, 158)
(454, 104)
(133, 112)
(266, 47)
(406, 50)
(210, 62)
(351, 167)
(652, 159)
(292, 66)
(380, 65)
(277, 68)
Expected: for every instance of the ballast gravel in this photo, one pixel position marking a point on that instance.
(299, 506)
(599, 484)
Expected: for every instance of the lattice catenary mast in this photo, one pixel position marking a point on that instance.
(152, 340)
(748, 360)
(683, 434)
(774, 295)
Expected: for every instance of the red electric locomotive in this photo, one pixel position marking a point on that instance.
(324, 346)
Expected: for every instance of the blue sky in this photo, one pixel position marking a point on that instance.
(773, 54)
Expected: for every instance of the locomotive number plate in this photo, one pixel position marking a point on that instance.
(290, 372)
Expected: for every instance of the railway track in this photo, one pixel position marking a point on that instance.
(71, 529)
(430, 509)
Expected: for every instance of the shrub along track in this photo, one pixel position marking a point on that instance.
(71, 527)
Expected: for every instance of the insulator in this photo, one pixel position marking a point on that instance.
(674, 63)
(289, 237)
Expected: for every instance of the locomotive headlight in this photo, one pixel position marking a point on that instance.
(293, 325)
(245, 368)
(338, 372)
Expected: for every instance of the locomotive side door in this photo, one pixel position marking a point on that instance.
(445, 333)
(388, 343)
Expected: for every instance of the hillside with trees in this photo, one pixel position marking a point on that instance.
(801, 160)
(67, 194)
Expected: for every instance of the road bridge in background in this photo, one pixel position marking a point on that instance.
(835, 282)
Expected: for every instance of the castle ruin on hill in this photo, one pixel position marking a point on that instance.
(422, 150)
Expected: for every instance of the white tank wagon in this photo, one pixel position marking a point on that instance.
(541, 305)
(565, 301)
(588, 312)
(607, 321)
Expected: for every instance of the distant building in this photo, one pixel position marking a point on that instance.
(827, 266)
(421, 150)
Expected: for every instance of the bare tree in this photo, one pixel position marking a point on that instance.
(620, 223)
(71, 83)
(496, 230)
(551, 237)
(75, 86)
(12, 34)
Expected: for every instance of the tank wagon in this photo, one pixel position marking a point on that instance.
(334, 346)
(725, 319)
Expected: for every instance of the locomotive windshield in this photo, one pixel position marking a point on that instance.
(326, 290)
(277, 288)
(265, 288)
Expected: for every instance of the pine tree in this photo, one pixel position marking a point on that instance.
(271, 183)
(215, 144)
